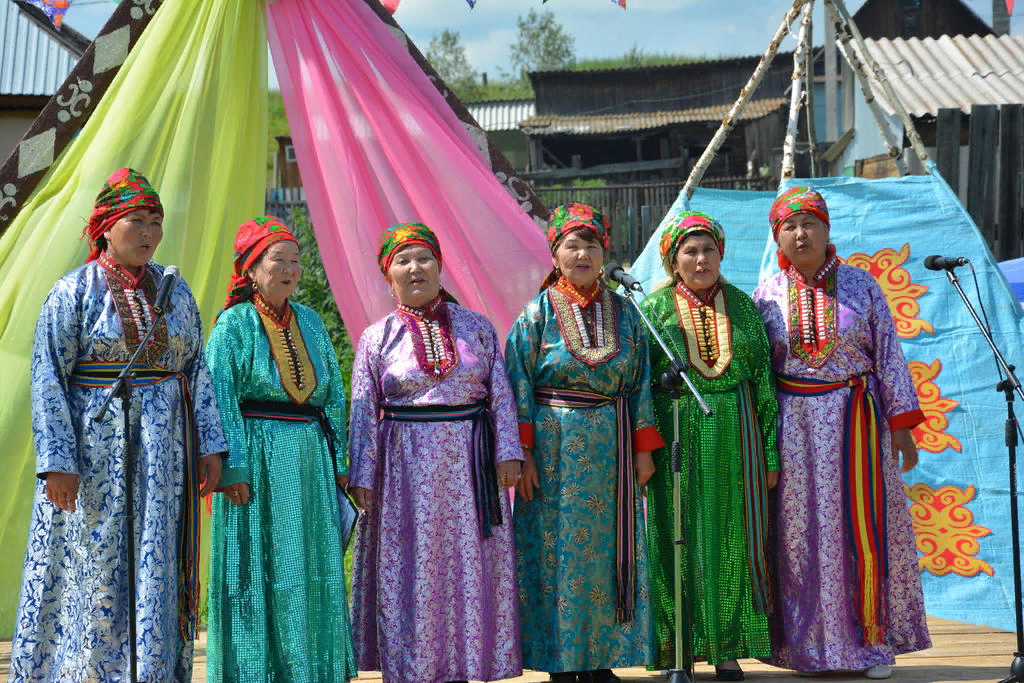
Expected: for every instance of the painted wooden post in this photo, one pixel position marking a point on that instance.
(796, 94)
(697, 173)
(947, 146)
(981, 166)
(1011, 170)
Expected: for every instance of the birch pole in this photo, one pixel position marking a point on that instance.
(697, 173)
(883, 81)
(843, 42)
(796, 94)
(812, 135)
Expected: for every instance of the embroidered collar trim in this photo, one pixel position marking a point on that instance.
(706, 330)
(570, 321)
(582, 297)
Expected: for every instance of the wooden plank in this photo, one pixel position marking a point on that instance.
(947, 146)
(981, 168)
(831, 84)
(1011, 170)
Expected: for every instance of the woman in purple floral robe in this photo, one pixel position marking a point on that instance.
(434, 444)
(848, 588)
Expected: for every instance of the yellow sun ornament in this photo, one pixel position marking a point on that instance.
(946, 533)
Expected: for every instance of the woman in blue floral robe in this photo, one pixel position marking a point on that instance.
(72, 620)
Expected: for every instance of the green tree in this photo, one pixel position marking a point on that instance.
(447, 55)
(541, 43)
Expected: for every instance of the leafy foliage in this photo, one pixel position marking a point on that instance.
(278, 126)
(447, 55)
(541, 43)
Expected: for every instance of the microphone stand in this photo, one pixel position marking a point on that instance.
(1007, 387)
(122, 388)
(673, 381)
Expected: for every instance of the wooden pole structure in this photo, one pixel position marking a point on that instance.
(796, 94)
(883, 82)
(831, 89)
(740, 104)
(812, 135)
(863, 76)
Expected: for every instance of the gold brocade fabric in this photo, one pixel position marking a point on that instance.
(298, 377)
(706, 330)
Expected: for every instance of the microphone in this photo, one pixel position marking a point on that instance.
(944, 262)
(615, 272)
(166, 285)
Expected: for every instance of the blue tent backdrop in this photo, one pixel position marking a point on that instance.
(960, 489)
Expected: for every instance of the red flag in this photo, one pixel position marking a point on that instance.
(1009, 7)
(392, 5)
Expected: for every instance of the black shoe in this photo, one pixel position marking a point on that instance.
(563, 677)
(728, 674)
(600, 676)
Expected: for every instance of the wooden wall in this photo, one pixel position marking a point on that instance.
(932, 18)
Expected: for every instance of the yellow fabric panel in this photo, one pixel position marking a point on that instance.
(189, 110)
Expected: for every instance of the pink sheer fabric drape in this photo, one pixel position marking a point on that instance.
(377, 145)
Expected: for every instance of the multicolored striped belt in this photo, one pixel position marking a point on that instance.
(103, 375)
(755, 485)
(625, 522)
(485, 475)
(864, 494)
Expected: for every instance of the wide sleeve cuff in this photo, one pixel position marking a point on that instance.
(906, 420)
(526, 434)
(232, 475)
(647, 439)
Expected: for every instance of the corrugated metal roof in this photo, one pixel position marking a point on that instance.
(624, 123)
(33, 59)
(501, 114)
(951, 71)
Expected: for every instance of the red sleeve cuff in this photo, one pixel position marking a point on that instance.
(906, 420)
(526, 434)
(647, 439)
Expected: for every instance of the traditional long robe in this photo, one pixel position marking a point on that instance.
(278, 605)
(566, 535)
(72, 622)
(724, 342)
(433, 601)
(816, 595)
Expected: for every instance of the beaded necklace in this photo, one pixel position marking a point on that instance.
(133, 299)
(588, 321)
(287, 346)
(813, 322)
(706, 329)
(433, 341)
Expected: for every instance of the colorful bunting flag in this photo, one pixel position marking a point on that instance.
(1009, 7)
(54, 9)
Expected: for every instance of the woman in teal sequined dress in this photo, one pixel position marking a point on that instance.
(278, 606)
(577, 358)
(730, 459)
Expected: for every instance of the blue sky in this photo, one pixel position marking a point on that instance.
(600, 28)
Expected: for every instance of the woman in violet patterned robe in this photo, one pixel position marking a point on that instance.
(842, 601)
(72, 621)
(434, 592)
(577, 357)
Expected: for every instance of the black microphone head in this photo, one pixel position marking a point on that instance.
(612, 267)
(171, 271)
(934, 262)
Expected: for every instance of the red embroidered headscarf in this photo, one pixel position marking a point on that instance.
(126, 190)
(791, 202)
(252, 239)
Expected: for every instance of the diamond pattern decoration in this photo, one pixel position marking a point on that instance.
(36, 153)
(111, 50)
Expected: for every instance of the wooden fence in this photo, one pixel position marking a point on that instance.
(634, 210)
(995, 171)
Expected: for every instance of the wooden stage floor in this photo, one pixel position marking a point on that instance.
(961, 652)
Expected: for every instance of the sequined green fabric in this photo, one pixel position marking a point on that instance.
(278, 606)
(715, 567)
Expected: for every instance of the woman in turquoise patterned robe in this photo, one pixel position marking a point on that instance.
(278, 606)
(578, 360)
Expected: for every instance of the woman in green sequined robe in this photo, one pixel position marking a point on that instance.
(278, 609)
(729, 459)
(579, 336)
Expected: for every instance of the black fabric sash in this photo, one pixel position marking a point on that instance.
(485, 475)
(288, 411)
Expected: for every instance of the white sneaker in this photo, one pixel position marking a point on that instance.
(878, 671)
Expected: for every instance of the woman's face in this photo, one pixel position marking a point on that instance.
(133, 238)
(803, 238)
(415, 276)
(698, 262)
(277, 271)
(579, 259)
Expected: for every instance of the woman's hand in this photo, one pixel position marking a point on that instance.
(903, 442)
(362, 497)
(508, 473)
(529, 479)
(643, 464)
(772, 480)
(341, 480)
(237, 493)
(209, 472)
(62, 489)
